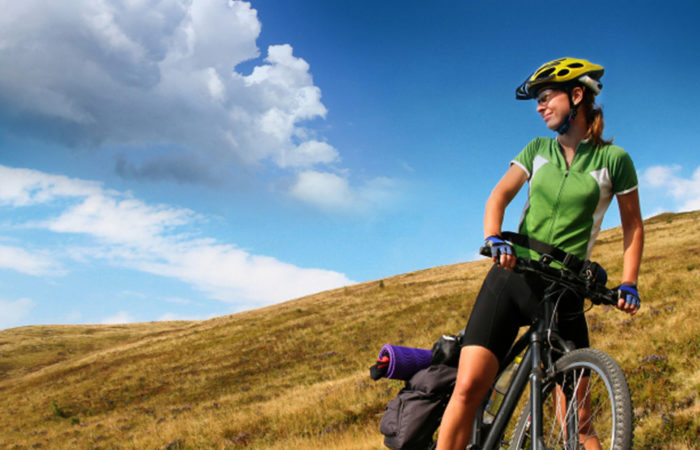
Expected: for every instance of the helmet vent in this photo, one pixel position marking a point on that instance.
(564, 73)
(545, 73)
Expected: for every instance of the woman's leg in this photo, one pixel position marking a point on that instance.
(586, 433)
(492, 327)
(478, 367)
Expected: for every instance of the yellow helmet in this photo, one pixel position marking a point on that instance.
(562, 71)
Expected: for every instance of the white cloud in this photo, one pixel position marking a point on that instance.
(308, 154)
(119, 220)
(23, 261)
(12, 312)
(158, 83)
(161, 240)
(133, 74)
(333, 192)
(230, 274)
(119, 318)
(22, 187)
(684, 191)
(324, 189)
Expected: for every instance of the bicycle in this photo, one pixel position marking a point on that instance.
(578, 397)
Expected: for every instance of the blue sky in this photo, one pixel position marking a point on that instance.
(188, 159)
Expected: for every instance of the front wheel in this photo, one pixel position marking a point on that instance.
(586, 404)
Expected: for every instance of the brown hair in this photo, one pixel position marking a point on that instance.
(594, 119)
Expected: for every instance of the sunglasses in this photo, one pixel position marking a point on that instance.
(546, 96)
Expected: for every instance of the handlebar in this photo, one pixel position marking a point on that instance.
(584, 282)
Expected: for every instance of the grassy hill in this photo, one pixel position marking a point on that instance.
(295, 375)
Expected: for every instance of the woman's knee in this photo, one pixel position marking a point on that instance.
(470, 389)
(478, 367)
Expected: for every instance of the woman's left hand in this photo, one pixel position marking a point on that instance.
(629, 298)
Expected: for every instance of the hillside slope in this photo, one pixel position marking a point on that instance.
(295, 375)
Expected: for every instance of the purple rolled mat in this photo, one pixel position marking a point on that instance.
(405, 361)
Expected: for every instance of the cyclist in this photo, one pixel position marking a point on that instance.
(572, 180)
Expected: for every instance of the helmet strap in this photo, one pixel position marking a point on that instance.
(568, 120)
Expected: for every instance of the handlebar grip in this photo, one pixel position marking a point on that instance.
(612, 297)
(607, 297)
(598, 294)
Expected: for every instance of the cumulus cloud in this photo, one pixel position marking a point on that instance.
(158, 239)
(228, 273)
(308, 154)
(159, 82)
(12, 312)
(134, 74)
(30, 263)
(331, 191)
(119, 220)
(325, 189)
(684, 191)
(25, 187)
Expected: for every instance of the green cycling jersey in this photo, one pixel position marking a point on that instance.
(565, 205)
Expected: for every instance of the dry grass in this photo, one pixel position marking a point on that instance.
(295, 375)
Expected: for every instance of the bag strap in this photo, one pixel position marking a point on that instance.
(571, 262)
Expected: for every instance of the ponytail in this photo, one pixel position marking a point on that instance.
(594, 119)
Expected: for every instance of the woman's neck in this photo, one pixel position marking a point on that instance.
(571, 139)
(577, 132)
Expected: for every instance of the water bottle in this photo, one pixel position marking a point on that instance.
(499, 390)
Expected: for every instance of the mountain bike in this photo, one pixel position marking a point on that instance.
(578, 398)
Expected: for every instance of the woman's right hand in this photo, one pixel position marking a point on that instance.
(501, 252)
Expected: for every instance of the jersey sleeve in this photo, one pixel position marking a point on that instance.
(525, 158)
(622, 171)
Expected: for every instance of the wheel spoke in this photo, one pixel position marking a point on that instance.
(586, 405)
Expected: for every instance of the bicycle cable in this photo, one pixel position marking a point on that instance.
(561, 293)
(555, 311)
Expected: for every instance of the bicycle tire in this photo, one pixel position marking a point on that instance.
(611, 415)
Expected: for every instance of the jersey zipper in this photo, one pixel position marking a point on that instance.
(555, 208)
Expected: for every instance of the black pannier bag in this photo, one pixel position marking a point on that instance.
(447, 349)
(410, 419)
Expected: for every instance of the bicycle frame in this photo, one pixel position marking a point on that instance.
(537, 340)
(540, 340)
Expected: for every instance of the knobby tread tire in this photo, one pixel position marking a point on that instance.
(610, 373)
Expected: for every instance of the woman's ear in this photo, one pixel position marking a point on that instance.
(577, 95)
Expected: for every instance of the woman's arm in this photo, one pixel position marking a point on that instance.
(506, 189)
(633, 240)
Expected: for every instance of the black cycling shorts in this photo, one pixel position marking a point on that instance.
(509, 300)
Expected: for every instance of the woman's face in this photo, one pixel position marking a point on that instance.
(553, 105)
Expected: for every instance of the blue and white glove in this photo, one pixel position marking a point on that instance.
(498, 247)
(628, 292)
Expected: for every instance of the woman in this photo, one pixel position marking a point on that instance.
(572, 179)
